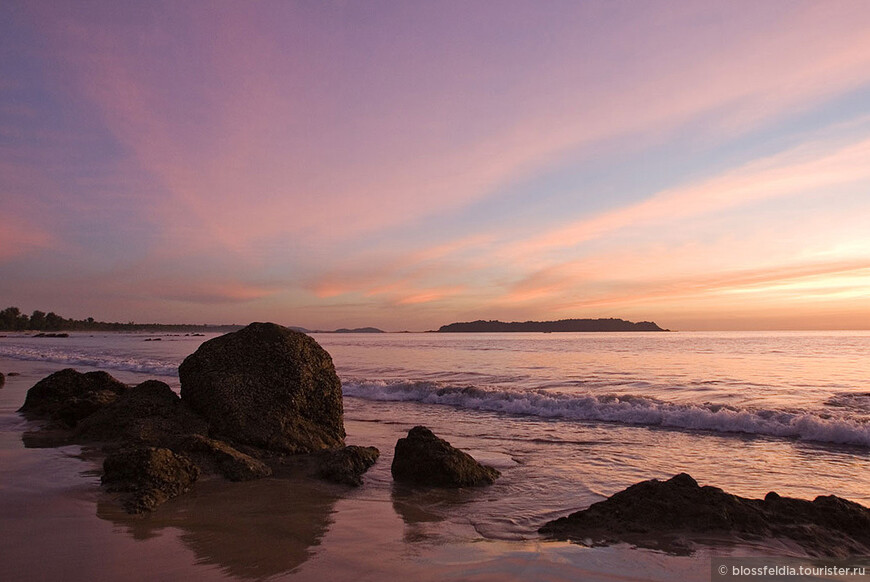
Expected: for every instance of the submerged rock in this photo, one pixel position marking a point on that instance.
(347, 465)
(219, 457)
(2, 379)
(68, 396)
(147, 476)
(663, 514)
(422, 458)
(266, 386)
(150, 413)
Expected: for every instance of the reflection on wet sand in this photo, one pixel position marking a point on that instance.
(422, 508)
(249, 530)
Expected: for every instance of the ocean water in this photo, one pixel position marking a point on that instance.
(567, 418)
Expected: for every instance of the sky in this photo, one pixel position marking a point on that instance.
(703, 165)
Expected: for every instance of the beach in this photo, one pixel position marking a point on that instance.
(523, 403)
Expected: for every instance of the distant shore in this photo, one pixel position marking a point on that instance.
(563, 325)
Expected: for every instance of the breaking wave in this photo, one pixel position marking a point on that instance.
(625, 409)
(103, 361)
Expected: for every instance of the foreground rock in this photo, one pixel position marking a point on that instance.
(219, 457)
(347, 465)
(266, 386)
(150, 413)
(147, 476)
(670, 514)
(68, 396)
(422, 458)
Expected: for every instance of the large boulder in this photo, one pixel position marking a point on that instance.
(150, 413)
(422, 458)
(669, 514)
(147, 476)
(68, 396)
(266, 386)
(347, 465)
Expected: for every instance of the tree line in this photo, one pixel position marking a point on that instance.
(12, 319)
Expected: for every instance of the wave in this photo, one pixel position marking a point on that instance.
(625, 409)
(102, 361)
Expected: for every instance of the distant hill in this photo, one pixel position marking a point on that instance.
(341, 330)
(563, 325)
(359, 330)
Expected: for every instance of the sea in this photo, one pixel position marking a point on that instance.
(568, 419)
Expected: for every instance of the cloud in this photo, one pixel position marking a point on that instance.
(784, 175)
(18, 239)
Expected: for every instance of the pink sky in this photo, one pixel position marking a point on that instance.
(405, 165)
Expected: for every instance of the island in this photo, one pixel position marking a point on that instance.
(563, 325)
(359, 330)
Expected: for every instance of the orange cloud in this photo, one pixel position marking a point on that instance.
(18, 239)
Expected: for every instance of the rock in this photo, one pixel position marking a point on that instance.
(422, 458)
(347, 465)
(150, 413)
(68, 396)
(148, 476)
(219, 457)
(660, 514)
(2, 379)
(266, 386)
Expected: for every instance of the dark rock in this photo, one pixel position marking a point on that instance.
(657, 513)
(68, 396)
(347, 465)
(219, 457)
(2, 379)
(266, 386)
(147, 476)
(10, 374)
(422, 458)
(150, 413)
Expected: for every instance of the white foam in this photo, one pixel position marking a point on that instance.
(626, 409)
(101, 361)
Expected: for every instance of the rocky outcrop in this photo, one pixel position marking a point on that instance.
(150, 413)
(266, 386)
(219, 457)
(147, 476)
(347, 465)
(422, 458)
(68, 396)
(670, 514)
(263, 394)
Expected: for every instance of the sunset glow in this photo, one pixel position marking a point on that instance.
(403, 165)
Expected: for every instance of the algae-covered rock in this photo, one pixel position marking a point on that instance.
(148, 476)
(149, 413)
(660, 514)
(422, 458)
(347, 465)
(266, 386)
(69, 396)
(219, 457)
